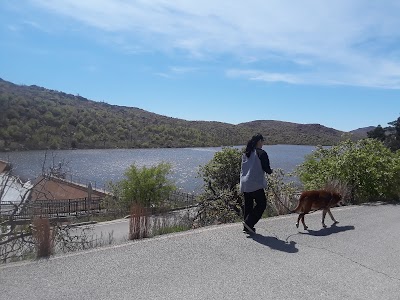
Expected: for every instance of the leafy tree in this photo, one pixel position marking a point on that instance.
(223, 170)
(74, 144)
(79, 136)
(378, 133)
(55, 142)
(393, 139)
(15, 132)
(220, 201)
(369, 168)
(73, 121)
(389, 135)
(147, 186)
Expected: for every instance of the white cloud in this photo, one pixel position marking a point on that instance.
(182, 70)
(163, 75)
(258, 75)
(175, 71)
(347, 42)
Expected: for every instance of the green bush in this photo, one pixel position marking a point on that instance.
(223, 170)
(148, 186)
(367, 167)
(221, 200)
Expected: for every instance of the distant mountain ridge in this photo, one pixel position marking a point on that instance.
(34, 117)
(362, 131)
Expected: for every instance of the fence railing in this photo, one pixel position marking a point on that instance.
(80, 206)
(51, 208)
(178, 200)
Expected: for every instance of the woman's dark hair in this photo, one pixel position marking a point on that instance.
(251, 144)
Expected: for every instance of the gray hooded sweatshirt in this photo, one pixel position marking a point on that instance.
(252, 177)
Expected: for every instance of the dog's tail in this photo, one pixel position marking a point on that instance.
(299, 204)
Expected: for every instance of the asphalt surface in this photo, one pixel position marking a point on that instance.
(357, 259)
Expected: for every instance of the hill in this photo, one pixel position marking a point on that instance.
(362, 131)
(34, 117)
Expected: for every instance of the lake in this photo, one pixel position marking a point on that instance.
(104, 165)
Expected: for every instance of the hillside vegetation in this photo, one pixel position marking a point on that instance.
(33, 117)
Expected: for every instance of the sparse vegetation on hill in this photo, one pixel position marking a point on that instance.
(33, 117)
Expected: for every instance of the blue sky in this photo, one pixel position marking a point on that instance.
(336, 63)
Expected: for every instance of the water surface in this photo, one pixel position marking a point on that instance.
(103, 165)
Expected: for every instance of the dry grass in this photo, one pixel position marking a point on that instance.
(282, 202)
(339, 187)
(282, 194)
(43, 237)
(169, 223)
(139, 222)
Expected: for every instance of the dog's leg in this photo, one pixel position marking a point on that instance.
(323, 217)
(301, 217)
(333, 219)
(302, 220)
(298, 220)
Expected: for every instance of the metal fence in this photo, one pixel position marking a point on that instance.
(51, 208)
(177, 200)
(82, 206)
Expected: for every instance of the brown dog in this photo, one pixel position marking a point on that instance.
(316, 200)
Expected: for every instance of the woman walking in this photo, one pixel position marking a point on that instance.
(255, 163)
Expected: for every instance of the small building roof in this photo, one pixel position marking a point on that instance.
(53, 188)
(4, 166)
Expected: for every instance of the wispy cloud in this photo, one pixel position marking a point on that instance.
(165, 75)
(33, 24)
(12, 28)
(339, 42)
(265, 76)
(20, 26)
(183, 70)
(175, 71)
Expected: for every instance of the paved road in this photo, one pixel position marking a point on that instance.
(357, 259)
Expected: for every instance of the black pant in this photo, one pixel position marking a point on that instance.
(252, 214)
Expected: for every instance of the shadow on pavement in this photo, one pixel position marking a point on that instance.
(328, 231)
(275, 243)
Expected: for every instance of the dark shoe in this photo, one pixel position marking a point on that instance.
(245, 230)
(248, 229)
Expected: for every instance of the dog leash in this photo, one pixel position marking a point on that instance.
(287, 208)
(276, 196)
